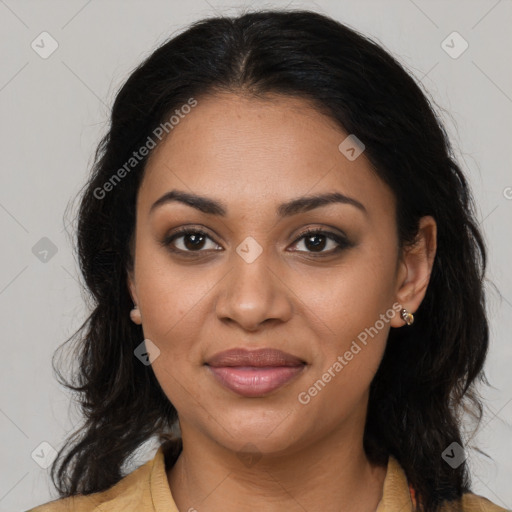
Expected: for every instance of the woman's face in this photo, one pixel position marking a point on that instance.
(254, 280)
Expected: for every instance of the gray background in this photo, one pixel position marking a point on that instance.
(54, 110)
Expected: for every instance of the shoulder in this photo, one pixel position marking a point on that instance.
(472, 503)
(396, 480)
(130, 493)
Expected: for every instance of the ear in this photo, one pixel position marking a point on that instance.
(415, 267)
(135, 314)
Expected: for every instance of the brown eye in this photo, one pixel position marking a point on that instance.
(193, 241)
(189, 240)
(316, 241)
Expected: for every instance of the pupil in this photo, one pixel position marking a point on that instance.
(196, 240)
(317, 245)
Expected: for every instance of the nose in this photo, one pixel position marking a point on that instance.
(253, 293)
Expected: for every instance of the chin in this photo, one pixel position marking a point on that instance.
(274, 434)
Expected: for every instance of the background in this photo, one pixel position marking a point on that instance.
(63, 62)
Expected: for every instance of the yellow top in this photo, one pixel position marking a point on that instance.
(146, 489)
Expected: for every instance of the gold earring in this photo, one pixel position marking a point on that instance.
(407, 317)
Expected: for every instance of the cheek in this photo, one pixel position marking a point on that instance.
(172, 301)
(355, 305)
(167, 291)
(172, 321)
(345, 362)
(351, 296)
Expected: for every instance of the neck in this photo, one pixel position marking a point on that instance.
(332, 475)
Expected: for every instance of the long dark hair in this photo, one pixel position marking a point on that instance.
(429, 370)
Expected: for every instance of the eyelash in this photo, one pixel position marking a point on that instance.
(342, 242)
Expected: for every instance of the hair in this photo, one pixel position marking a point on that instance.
(427, 377)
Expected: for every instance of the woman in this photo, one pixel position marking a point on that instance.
(287, 275)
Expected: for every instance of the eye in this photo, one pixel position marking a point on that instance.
(316, 240)
(188, 240)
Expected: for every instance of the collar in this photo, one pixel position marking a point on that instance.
(396, 493)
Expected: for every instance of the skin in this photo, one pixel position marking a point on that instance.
(252, 155)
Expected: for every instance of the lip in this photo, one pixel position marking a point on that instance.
(254, 373)
(262, 357)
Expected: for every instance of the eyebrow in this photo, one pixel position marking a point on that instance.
(293, 207)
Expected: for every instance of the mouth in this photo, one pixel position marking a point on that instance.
(254, 373)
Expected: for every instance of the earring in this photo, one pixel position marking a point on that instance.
(407, 317)
(135, 315)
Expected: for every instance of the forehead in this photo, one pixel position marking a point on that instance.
(229, 126)
(246, 148)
